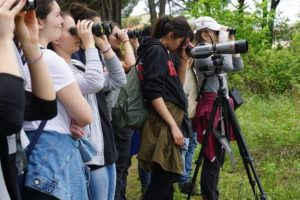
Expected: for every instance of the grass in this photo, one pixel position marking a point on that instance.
(271, 128)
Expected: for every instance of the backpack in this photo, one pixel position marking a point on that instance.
(130, 110)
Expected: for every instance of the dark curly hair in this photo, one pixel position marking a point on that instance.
(80, 11)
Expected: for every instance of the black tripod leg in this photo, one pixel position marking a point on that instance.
(207, 131)
(244, 152)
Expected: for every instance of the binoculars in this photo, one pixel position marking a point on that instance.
(97, 29)
(30, 5)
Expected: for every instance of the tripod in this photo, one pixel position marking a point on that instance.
(227, 115)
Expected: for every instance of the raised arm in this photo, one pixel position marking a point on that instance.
(129, 57)
(115, 77)
(92, 80)
(8, 61)
(27, 33)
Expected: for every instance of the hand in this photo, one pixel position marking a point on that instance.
(184, 56)
(122, 35)
(177, 135)
(7, 15)
(101, 42)
(84, 29)
(27, 29)
(231, 37)
(76, 130)
(134, 42)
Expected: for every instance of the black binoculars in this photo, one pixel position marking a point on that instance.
(97, 29)
(231, 31)
(30, 5)
(134, 34)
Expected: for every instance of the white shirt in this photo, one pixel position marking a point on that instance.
(62, 76)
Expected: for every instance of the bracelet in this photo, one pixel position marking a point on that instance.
(33, 61)
(106, 50)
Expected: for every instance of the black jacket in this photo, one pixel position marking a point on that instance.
(157, 69)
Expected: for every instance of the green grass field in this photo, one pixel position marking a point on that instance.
(271, 128)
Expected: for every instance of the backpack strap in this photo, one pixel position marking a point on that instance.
(79, 67)
(35, 138)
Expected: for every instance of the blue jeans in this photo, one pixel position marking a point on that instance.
(103, 183)
(123, 143)
(145, 178)
(187, 152)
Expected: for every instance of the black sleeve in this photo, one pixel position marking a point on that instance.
(12, 102)
(154, 64)
(39, 109)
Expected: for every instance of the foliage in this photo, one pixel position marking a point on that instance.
(267, 70)
(271, 70)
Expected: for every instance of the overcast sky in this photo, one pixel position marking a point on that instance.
(287, 8)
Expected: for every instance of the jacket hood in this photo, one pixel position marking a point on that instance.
(145, 45)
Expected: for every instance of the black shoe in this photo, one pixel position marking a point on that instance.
(185, 189)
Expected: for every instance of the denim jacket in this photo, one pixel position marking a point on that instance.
(56, 166)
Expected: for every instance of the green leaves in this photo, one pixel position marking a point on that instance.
(267, 70)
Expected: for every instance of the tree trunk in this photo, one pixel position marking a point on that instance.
(153, 14)
(117, 12)
(274, 4)
(241, 6)
(162, 8)
(264, 13)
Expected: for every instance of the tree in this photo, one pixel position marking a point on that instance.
(273, 6)
(152, 10)
(109, 10)
(162, 8)
(262, 19)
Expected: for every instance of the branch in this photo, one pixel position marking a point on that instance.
(179, 5)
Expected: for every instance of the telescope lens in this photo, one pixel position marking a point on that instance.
(241, 46)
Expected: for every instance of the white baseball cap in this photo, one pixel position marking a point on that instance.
(207, 22)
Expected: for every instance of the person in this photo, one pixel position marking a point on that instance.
(162, 86)
(210, 32)
(16, 104)
(56, 168)
(119, 39)
(191, 89)
(103, 175)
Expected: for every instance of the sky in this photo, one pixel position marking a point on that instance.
(287, 8)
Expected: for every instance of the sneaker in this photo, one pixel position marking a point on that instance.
(185, 189)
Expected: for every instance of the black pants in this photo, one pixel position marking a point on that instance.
(161, 184)
(31, 194)
(9, 169)
(210, 174)
(123, 143)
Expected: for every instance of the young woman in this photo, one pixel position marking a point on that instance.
(15, 104)
(103, 173)
(161, 82)
(120, 43)
(117, 38)
(210, 32)
(56, 167)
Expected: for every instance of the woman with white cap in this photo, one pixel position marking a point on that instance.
(210, 32)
